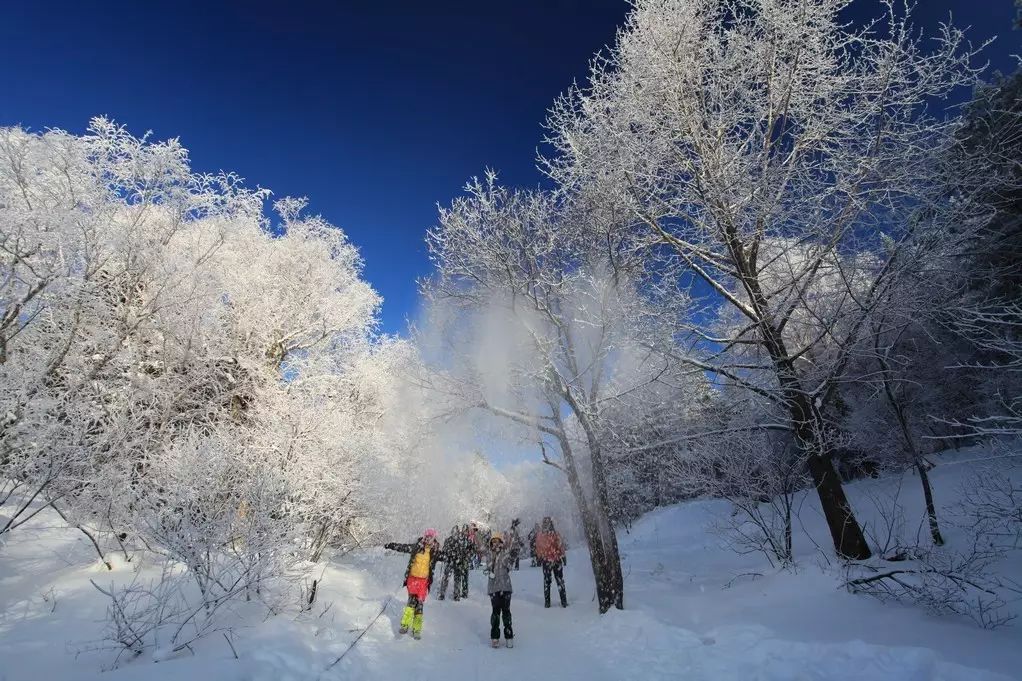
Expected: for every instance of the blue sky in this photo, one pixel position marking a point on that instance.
(374, 110)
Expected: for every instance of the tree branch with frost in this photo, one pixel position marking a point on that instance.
(766, 194)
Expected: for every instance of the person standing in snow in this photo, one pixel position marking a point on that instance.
(463, 561)
(472, 538)
(515, 543)
(456, 560)
(479, 544)
(462, 558)
(449, 550)
(532, 543)
(551, 555)
(498, 586)
(482, 544)
(424, 553)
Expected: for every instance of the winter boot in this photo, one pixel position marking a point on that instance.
(417, 626)
(441, 597)
(406, 619)
(495, 643)
(510, 643)
(564, 599)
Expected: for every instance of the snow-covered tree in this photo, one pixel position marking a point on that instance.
(553, 333)
(988, 313)
(182, 371)
(778, 160)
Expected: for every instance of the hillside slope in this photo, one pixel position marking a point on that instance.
(695, 610)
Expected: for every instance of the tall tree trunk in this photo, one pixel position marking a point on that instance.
(788, 555)
(917, 460)
(807, 421)
(614, 587)
(931, 511)
(613, 592)
(603, 555)
(849, 540)
(906, 433)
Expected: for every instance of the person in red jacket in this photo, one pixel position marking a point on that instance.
(551, 555)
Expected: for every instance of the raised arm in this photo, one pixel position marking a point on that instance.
(401, 548)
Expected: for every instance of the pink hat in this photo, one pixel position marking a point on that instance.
(429, 533)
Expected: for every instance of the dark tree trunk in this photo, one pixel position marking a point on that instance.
(910, 444)
(849, 541)
(807, 421)
(931, 511)
(603, 555)
(787, 527)
(614, 593)
(614, 586)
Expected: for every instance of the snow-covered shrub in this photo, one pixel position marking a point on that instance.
(965, 577)
(990, 506)
(165, 615)
(764, 503)
(760, 472)
(183, 373)
(944, 581)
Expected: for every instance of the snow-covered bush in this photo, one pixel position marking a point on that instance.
(965, 577)
(757, 469)
(182, 372)
(944, 581)
(989, 506)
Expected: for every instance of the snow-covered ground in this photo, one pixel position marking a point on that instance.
(693, 612)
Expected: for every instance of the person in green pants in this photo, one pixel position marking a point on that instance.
(424, 554)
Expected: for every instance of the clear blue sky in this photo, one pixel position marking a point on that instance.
(374, 110)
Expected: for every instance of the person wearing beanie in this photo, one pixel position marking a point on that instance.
(424, 554)
(498, 586)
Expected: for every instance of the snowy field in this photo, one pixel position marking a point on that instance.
(746, 236)
(695, 610)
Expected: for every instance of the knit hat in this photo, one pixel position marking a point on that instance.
(497, 535)
(429, 534)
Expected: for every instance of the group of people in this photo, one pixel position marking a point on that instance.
(498, 556)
